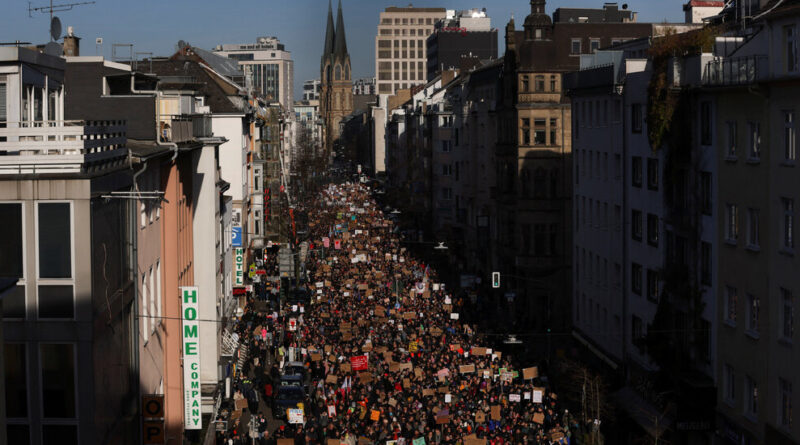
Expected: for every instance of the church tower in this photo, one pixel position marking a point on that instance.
(336, 97)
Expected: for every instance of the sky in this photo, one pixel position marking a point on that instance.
(155, 26)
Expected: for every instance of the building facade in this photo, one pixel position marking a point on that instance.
(401, 48)
(268, 68)
(461, 41)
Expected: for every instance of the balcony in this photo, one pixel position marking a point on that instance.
(186, 128)
(745, 70)
(61, 147)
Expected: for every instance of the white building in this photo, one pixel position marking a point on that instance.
(311, 89)
(364, 86)
(268, 68)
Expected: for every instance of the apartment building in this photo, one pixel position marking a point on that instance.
(267, 67)
(754, 126)
(69, 249)
(401, 48)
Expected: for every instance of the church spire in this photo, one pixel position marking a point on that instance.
(329, 35)
(340, 42)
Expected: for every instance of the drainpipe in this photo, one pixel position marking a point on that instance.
(624, 212)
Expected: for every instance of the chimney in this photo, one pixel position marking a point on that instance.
(72, 45)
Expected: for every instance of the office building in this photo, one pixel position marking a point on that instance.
(268, 68)
(401, 48)
(461, 41)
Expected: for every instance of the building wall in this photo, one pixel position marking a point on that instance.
(177, 254)
(204, 233)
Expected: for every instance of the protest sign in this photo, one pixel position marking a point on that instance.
(530, 373)
(359, 362)
(537, 395)
(514, 397)
(295, 415)
(538, 418)
(466, 369)
(496, 412)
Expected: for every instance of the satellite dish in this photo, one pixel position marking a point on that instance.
(55, 28)
(53, 49)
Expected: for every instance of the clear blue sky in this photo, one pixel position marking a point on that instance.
(156, 25)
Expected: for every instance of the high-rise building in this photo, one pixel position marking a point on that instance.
(400, 46)
(336, 95)
(311, 89)
(364, 86)
(268, 68)
(462, 40)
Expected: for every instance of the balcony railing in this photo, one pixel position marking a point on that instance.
(736, 71)
(185, 128)
(40, 147)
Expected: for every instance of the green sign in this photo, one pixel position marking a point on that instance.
(191, 360)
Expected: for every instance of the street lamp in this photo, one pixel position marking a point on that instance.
(441, 246)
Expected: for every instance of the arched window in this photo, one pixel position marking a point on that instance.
(347, 72)
(328, 73)
(337, 72)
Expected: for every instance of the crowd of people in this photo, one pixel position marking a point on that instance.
(389, 357)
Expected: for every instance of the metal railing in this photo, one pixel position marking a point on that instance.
(736, 71)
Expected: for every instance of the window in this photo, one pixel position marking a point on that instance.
(705, 123)
(652, 285)
(652, 174)
(157, 320)
(731, 139)
(526, 84)
(705, 263)
(652, 229)
(730, 305)
(594, 45)
(752, 314)
(790, 49)
(16, 380)
(553, 132)
(705, 192)
(576, 46)
(787, 315)
(539, 132)
(751, 397)
(58, 380)
(56, 301)
(789, 137)
(11, 241)
(539, 83)
(636, 278)
(754, 141)
(788, 223)
(785, 408)
(447, 193)
(729, 380)
(553, 84)
(731, 223)
(636, 225)
(636, 171)
(703, 340)
(526, 131)
(447, 146)
(636, 118)
(55, 246)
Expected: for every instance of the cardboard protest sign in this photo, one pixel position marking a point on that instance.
(365, 377)
(392, 402)
(375, 415)
(428, 392)
(496, 412)
(394, 367)
(345, 367)
(480, 417)
(418, 372)
(328, 349)
(447, 307)
(538, 418)
(332, 359)
(443, 390)
(530, 373)
(406, 383)
(441, 420)
(364, 441)
(316, 357)
(466, 369)
(473, 440)
(241, 404)
(287, 442)
(330, 441)
(477, 351)
(409, 315)
(406, 366)
(331, 378)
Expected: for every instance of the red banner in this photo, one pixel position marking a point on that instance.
(359, 362)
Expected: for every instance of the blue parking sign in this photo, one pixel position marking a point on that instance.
(236, 236)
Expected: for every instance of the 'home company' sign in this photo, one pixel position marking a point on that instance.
(191, 360)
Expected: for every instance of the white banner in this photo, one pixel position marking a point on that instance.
(191, 360)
